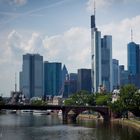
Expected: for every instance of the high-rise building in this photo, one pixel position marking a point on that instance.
(133, 59)
(84, 79)
(106, 62)
(52, 78)
(115, 73)
(31, 76)
(101, 59)
(95, 56)
(123, 76)
(72, 76)
(64, 76)
(70, 85)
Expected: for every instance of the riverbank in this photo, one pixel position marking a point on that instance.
(88, 117)
(128, 122)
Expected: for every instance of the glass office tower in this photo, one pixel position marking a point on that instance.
(84, 80)
(52, 78)
(95, 56)
(31, 76)
(115, 73)
(133, 60)
(106, 62)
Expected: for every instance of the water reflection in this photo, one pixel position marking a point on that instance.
(30, 127)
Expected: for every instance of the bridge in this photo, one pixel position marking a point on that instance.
(103, 110)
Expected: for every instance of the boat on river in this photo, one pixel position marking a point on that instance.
(40, 112)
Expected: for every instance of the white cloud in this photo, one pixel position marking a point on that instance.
(121, 33)
(11, 56)
(19, 44)
(71, 48)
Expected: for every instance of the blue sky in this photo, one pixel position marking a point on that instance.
(60, 31)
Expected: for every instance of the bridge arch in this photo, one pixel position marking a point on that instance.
(104, 111)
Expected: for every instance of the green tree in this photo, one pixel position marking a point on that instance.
(91, 99)
(1, 101)
(128, 95)
(129, 100)
(117, 107)
(81, 98)
(38, 102)
(103, 99)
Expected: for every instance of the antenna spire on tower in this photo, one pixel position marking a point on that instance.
(15, 82)
(131, 35)
(94, 7)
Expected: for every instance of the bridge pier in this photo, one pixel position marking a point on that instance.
(64, 116)
(68, 117)
(107, 118)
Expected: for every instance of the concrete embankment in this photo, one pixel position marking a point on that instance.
(128, 122)
(88, 117)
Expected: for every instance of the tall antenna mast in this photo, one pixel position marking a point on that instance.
(94, 7)
(131, 35)
(15, 82)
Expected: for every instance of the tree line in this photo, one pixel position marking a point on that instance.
(128, 99)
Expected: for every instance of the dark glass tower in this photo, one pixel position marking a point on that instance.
(52, 79)
(84, 79)
(115, 73)
(106, 62)
(95, 56)
(31, 77)
(93, 25)
(64, 76)
(133, 60)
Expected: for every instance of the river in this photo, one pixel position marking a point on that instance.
(50, 127)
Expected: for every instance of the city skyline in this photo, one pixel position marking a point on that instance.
(43, 27)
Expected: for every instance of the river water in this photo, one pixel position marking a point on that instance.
(50, 127)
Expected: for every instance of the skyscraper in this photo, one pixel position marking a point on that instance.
(106, 62)
(115, 73)
(52, 78)
(70, 85)
(123, 76)
(84, 79)
(31, 76)
(133, 59)
(101, 59)
(64, 76)
(95, 55)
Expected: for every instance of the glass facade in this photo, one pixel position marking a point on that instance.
(101, 59)
(133, 58)
(84, 80)
(31, 77)
(70, 85)
(115, 73)
(95, 59)
(123, 75)
(106, 62)
(64, 76)
(52, 79)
